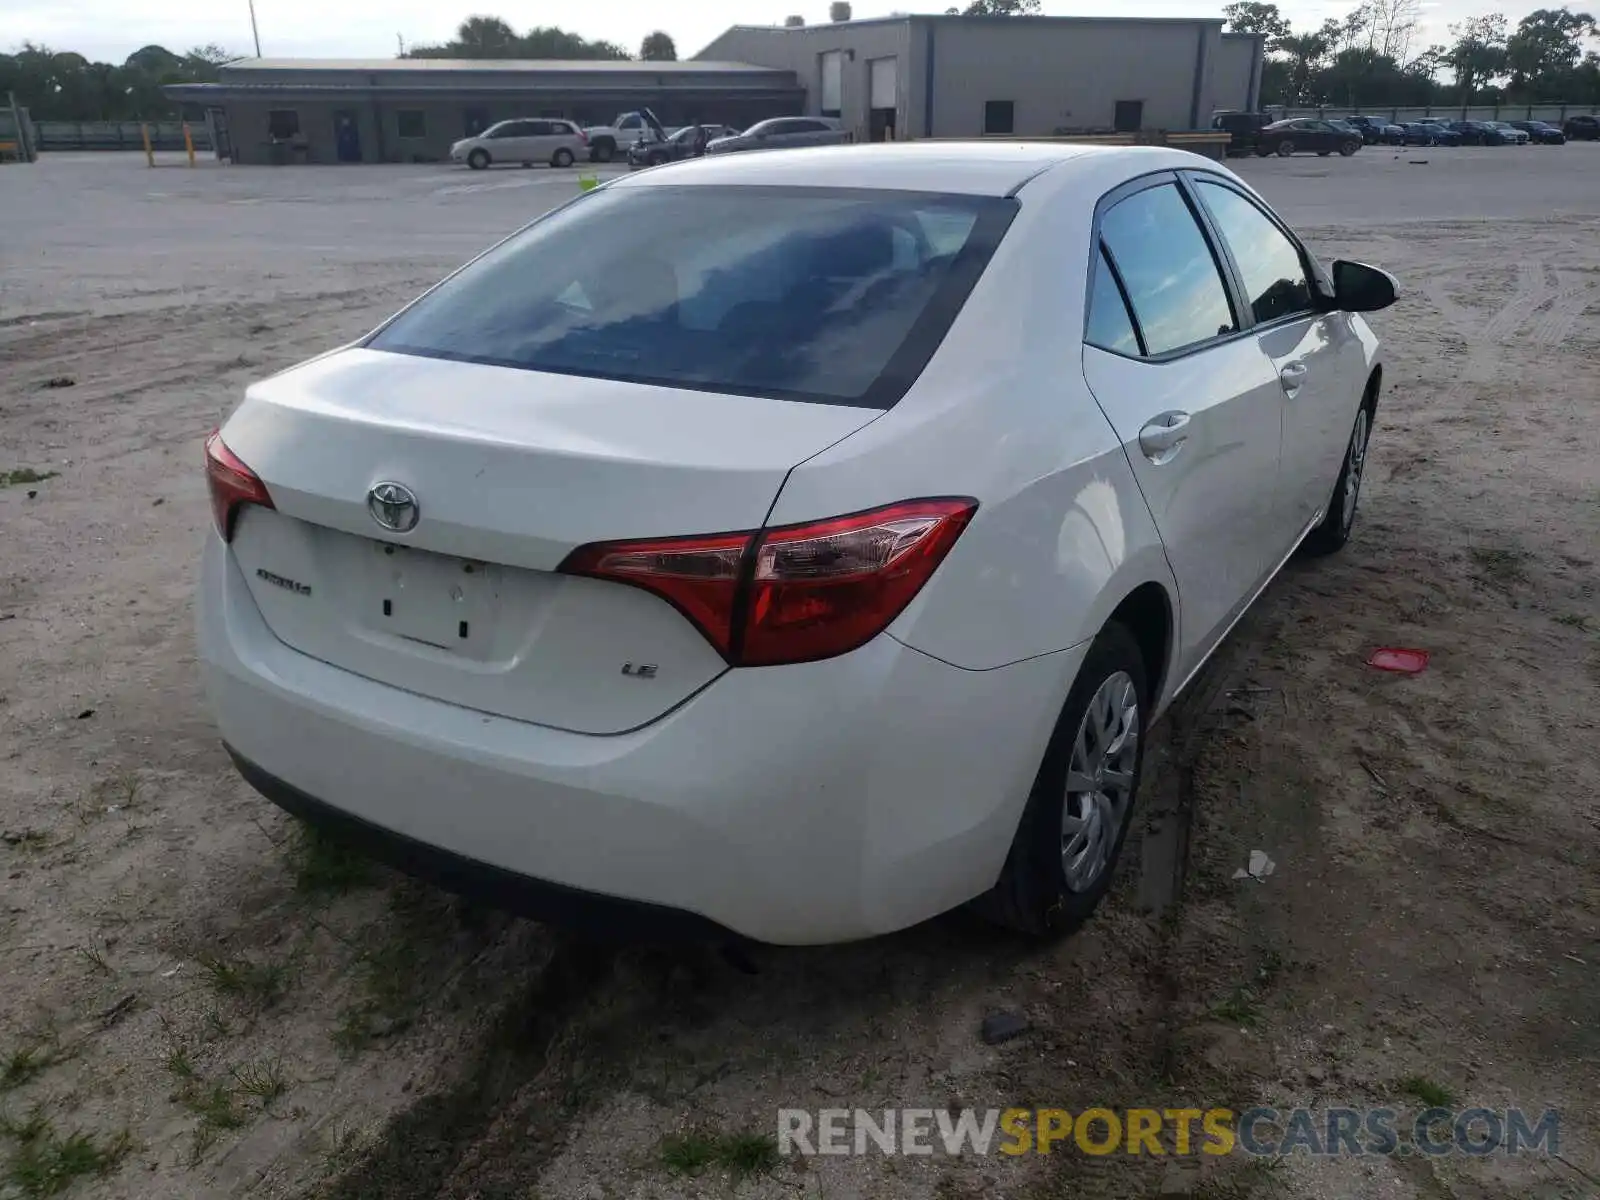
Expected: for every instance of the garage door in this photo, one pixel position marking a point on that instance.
(885, 87)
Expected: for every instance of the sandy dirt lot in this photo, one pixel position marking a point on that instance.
(200, 1001)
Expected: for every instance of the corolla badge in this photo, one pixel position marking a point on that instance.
(394, 506)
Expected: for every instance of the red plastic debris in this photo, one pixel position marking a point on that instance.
(1393, 658)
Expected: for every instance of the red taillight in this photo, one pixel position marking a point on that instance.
(232, 484)
(796, 593)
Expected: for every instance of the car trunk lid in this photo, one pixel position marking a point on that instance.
(510, 471)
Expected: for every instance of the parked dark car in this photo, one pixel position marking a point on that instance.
(1540, 132)
(1478, 133)
(1303, 134)
(1371, 128)
(1243, 129)
(679, 145)
(1429, 133)
(1582, 128)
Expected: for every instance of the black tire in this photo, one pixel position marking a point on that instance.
(1285, 148)
(1032, 894)
(602, 150)
(478, 160)
(1331, 536)
(1348, 148)
(561, 158)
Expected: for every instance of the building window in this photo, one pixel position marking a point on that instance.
(283, 124)
(998, 116)
(411, 123)
(1128, 116)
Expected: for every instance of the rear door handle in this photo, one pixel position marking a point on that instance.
(1292, 376)
(1164, 436)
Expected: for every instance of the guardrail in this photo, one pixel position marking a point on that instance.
(119, 135)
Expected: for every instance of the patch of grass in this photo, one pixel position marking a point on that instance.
(181, 1066)
(1499, 565)
(259, 984)
(1434, 1095)
(265, 1080)
(688, 1153)
(25, 1064)
(748, 1154)
(215, 1107)
(25, 475)
(96, 958)
(1242, 1007)
(324, 865)
(218, 1023)
(742, 1155)
(43, 1163)
(1574, 620)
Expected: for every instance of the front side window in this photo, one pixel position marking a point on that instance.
(1167, 266)
(834, 296)
(1269, 263)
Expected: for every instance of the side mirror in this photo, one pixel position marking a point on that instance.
(1360, 288)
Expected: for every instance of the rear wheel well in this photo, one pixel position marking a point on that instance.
(1146, 613)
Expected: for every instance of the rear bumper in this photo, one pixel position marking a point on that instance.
(802, 804)
(589, 912)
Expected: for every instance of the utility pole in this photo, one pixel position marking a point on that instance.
(254, 32)
(401, 42)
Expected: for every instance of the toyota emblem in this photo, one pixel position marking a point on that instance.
(394, 506)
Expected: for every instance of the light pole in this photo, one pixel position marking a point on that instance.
(254, 32)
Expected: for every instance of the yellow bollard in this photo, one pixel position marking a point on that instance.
(149, 154)
(188, 143)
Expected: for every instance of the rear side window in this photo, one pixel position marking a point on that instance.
(1167, 266)
(837, 296)
(1269, 263)
(1110, 326)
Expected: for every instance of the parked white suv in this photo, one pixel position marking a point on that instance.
(793, 544)
(523, 140)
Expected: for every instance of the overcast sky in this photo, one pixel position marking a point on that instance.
(110, 30)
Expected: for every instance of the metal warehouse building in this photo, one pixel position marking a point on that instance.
(956, 76)
(896, 77)
(411, 109)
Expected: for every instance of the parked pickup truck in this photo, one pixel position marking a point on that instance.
(607, 141)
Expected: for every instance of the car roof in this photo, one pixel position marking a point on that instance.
(987, 168)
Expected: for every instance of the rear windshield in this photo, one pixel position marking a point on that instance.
(834, 296)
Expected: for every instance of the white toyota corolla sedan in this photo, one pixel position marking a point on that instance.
(793, 546)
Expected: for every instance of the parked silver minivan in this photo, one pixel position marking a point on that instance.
(784, 133)
(523, 141)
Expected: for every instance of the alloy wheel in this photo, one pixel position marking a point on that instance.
(1099, 781)
(1354, 465)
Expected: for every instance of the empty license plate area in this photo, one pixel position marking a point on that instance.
(450, 604)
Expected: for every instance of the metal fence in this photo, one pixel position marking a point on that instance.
(119, 135)
(1554, 113)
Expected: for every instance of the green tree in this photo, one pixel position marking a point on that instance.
(658, 47)
(1305, 53)
(1254, 16)
(1478, 54)
(1544, 52)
